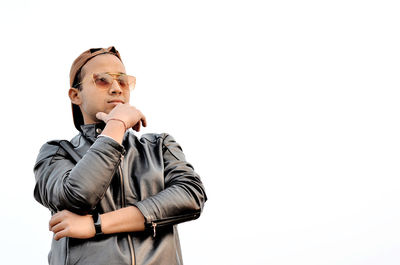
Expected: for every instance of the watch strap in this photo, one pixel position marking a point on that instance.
(97, 223)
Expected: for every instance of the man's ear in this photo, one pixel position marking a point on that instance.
(75, 96)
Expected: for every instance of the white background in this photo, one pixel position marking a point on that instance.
(289, 111)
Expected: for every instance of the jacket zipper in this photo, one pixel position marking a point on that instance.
(172, 220)
(154, 225)
(123, 203)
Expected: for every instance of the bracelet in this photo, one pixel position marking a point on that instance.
(97, 223)
(115, 119)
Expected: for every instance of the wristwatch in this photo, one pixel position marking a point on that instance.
(97, 223)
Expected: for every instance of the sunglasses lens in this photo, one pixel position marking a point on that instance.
(103, 81)
(131, 82)
(123, 81)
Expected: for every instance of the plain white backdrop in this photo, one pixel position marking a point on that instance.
(288, 110)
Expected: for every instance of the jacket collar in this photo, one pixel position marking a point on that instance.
(91, 131)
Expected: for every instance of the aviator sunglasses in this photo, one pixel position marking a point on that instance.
(105, 80)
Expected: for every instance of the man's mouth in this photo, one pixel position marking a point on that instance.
(116, 101)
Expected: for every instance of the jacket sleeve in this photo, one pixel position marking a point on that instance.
(60, 184)
(183, 197)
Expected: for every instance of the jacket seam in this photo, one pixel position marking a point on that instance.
(169, 149)
(52, 157)
(171, 152)
(47, 157)
(150, 141)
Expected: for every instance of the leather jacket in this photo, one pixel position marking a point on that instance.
(150, 173)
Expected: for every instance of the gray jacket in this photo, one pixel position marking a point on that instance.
(150, 173)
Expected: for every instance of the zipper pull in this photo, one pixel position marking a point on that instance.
(154, 228)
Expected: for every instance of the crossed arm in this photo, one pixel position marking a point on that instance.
(181, 200)
(129, 219)
(69, 224)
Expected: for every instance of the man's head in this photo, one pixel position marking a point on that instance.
(87, 91)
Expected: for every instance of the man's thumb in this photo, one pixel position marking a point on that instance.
(101, 116)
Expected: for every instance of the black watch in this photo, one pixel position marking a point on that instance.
(97, 223)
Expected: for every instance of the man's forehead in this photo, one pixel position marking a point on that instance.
(104, 63)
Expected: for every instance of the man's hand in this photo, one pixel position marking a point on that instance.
(69, 224)
(131, 116)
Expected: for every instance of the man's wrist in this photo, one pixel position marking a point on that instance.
(116, 124)
(118, 120)
(114, 129)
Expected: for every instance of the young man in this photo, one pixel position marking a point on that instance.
(121, 202)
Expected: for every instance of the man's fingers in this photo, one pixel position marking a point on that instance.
(136, 127)
(52, 222)
(143, 118)
(144, 121)
(57, 228)
(133, 117)
(101, 116)
(61, 234)
(55, 219)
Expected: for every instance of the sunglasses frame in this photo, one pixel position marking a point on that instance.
(113, 75)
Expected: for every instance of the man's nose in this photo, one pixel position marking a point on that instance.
(115, 88)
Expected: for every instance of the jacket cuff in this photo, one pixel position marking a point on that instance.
(148, 218)
(104, 144)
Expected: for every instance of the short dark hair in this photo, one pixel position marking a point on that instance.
(78, 79)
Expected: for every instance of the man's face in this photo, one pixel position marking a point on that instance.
(90, 98)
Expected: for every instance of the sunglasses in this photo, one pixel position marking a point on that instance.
(105, 80)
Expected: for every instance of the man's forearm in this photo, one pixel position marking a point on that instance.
(128, 219)
(69, 224)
